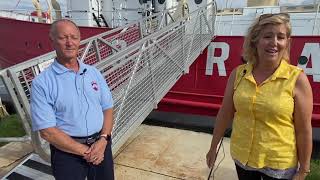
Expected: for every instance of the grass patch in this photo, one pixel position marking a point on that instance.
(315, 170)
(11, 126)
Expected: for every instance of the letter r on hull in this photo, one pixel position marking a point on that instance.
(212, 59)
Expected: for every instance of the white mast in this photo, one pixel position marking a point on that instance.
(37, 5)
(56, 6)
(107, 11)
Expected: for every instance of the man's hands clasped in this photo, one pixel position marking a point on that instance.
(95, 153)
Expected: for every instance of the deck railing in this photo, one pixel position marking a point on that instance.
(235, 21)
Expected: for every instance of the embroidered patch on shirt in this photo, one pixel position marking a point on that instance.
(94, 85)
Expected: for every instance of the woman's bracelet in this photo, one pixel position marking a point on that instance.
(306, 172)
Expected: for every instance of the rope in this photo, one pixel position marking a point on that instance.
(16, 5)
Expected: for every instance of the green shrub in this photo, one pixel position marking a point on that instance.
(315, 170)
(11, 126)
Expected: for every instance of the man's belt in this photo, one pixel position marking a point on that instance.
(87, 139)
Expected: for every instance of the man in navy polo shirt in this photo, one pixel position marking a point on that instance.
(72, 106)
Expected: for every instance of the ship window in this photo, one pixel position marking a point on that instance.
(302, 60)
(142, 1)
(291, 7)
(309, 7)
(161, 1)
(198, 1)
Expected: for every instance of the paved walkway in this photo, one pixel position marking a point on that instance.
(12, 154)
(154, 153)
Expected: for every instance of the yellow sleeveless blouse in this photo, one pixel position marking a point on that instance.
(263, 132)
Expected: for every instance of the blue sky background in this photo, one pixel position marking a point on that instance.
(27, 4)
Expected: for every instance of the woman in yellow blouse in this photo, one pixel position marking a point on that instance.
(269, 102)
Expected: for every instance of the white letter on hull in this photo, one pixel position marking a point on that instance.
(311, 50)
(211, 59)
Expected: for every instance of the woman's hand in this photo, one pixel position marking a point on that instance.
(211, 157)
(300, 176)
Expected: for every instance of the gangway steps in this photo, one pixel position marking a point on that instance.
(32, 168)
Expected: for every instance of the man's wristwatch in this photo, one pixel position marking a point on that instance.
(107, 137)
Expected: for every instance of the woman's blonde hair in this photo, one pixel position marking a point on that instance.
(250, 53)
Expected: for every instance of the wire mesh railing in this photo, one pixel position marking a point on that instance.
(139, 62)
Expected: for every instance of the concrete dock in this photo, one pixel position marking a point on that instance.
(151, 153)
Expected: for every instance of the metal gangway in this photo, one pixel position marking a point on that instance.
(140, 62)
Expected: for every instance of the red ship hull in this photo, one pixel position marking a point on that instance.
(202, 94)
(23, 40)
(198, 92)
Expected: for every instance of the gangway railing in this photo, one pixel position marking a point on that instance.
(139, 70)
(236, 21)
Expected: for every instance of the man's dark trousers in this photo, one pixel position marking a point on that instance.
(67, 166)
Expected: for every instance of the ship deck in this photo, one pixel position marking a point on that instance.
(152, 153)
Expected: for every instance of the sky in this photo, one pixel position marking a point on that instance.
(27, 4)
